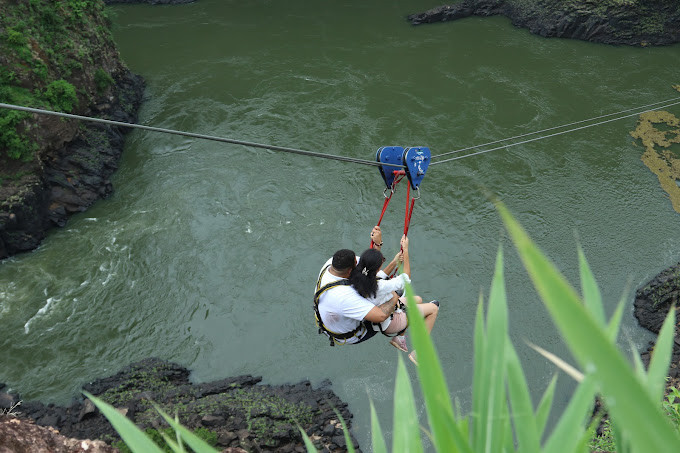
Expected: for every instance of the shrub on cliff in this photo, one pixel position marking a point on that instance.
(47, 47)
(503, 417)
(61, 95)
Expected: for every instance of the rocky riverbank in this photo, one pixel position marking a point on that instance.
(651, 306)
(58, 57)
(655, 22)
(151, 2)
(237, 413)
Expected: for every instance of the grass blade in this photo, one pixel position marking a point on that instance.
(490, 433)
(308, 442)
(192, 440)
(561, 364)
(175, 444)
(625, 397)
(478, 391)
(496, 334)
(567, 432)
(446, 433)
(406, 437)
(615, 322)
(345, 431)
(544, 406)
(129, 432)
(591, 293)
(377, 438)
(524, 420)
(661, 357)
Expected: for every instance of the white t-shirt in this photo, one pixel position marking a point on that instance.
(387, 287)
(341, 308)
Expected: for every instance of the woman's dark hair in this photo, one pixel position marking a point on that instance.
(363, 277)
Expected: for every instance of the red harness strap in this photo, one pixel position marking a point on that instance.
(410, 202)
(399, 175)
(409, 210)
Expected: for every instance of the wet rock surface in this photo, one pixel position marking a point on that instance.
(654, 23)
(151, 2)
(652, 303)
(242, 413)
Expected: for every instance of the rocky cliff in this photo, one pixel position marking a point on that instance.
(235, 413)
(630, 22)
(57, 56)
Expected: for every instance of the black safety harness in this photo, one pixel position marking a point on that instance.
(334, 336)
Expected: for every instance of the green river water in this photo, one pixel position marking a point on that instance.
(207, 253)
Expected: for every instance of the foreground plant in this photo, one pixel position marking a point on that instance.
(503, 417)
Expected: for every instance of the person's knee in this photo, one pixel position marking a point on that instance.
(419, 300)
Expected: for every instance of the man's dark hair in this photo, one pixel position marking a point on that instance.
(343, 260)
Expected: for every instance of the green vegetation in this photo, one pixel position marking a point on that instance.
(672, 406)
(44, 48)
(658, 131)
(604, 443)
(503, 417)
(264, 414)
(158, 437)
(61, 95)
(102, 80)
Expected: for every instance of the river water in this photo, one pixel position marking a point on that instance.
(207, 253)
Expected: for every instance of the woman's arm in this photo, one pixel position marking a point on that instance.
(398, 258)
(404, 249)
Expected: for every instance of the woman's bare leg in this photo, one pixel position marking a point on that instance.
(429, 312)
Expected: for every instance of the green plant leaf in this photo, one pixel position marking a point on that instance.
(446, 433)
(615, 321)
(638, 366)
(192, 440)
(625, 396)
(308, 442)
(488, 432)
(406, 431)
(591, 293)
(544, 406)
(345, 431)
(174, 444)
(523, 418)
(131, 434)
(377, 438)
(661, 357)
(567, 432)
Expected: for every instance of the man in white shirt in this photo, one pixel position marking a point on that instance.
(343, 315)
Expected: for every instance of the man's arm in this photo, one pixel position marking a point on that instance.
(382, 311)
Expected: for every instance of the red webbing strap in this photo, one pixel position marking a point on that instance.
(399, 176)
(409, 210)
(387, 201)
(407, 220)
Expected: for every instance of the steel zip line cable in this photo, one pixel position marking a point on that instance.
(351, 159)
(552, 135)
(551, 128)
(201, 136)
